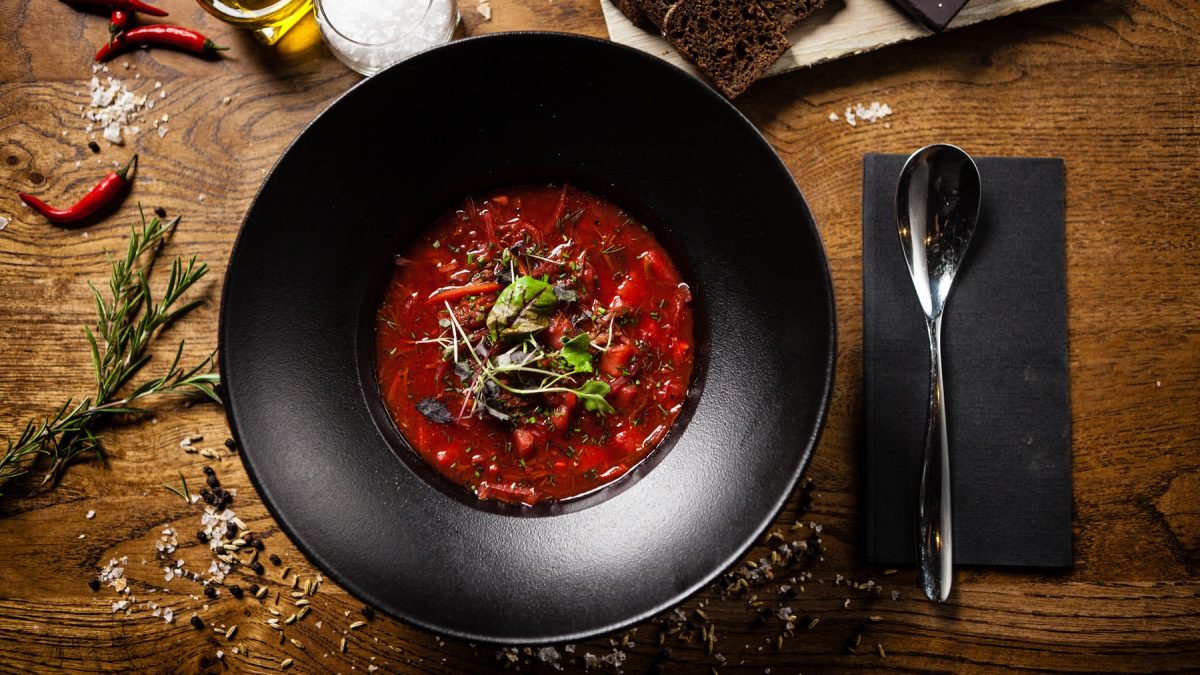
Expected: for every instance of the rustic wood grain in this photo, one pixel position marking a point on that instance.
(1109, 85)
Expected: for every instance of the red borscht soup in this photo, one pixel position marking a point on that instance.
(534, 344)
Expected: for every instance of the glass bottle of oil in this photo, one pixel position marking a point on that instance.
(269, 19)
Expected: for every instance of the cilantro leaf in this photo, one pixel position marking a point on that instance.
(575, 353)
(523, 308)
(592, 393)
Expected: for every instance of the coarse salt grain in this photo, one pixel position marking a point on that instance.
(4, 221)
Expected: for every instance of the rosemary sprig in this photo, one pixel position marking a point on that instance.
(127, 322)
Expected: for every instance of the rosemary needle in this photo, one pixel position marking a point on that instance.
(187, 496)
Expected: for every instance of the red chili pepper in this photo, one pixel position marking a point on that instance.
(117, 23)
(127, 5)
(100, 196)
(160, 34)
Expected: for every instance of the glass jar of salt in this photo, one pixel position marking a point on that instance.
(370, 35)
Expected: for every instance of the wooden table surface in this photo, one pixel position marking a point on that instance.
(1111, 86)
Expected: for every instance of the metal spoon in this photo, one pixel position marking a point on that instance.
(937, 205)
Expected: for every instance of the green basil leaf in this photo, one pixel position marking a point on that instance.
(592, 394)
(523, 308)
(575, 353)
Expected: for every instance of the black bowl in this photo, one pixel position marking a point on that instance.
(307, 272)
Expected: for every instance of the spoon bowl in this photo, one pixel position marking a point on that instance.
(937, 207)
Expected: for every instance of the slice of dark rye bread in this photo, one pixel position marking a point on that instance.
(732, 42)
(631, 9)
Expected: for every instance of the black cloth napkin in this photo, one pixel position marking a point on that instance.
(1004, 355)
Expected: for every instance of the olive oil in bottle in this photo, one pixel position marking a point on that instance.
(269, 19)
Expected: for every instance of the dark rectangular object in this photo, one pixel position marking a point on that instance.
(933, 14)
(1004, 350)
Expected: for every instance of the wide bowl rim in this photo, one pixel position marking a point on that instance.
(809, 444)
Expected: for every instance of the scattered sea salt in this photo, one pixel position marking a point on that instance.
(112, 107)
(485, 10)
(90, 515)
(369, 35)
(872, 113)
(4, 221)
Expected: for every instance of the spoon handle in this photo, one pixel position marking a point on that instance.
(933, 510)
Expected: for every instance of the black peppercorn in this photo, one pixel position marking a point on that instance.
(368, 613)
(212, 481)
(202, 537)
(257, 567)
(197, 623)
(210, 592)
(208, 471)
(160, 212)
(253, 590)
(94, 584)
(236, 591)
(275, 560)
(258, 545)
(94, 146)
(230, 445)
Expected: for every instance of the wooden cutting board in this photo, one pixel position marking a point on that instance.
(840, 28)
